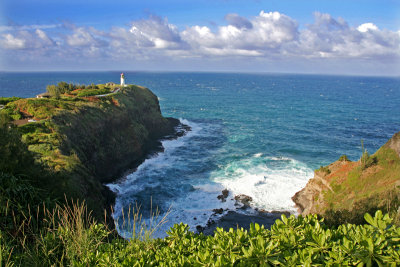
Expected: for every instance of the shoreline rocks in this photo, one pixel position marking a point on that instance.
(241, 217)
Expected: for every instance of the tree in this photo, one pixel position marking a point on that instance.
(63, 87)
(54, 91)
(71, 87)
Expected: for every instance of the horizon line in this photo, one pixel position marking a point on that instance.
(210, 71)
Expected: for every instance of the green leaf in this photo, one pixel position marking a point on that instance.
(369, 219)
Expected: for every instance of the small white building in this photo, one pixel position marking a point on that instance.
(122, 79)
(43, 95)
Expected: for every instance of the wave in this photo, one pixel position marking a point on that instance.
(175, 180)
(188, 176)
(270, 181)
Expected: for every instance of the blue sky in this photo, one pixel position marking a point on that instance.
(316, 36)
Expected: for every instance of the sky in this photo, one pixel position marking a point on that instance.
(353, 37)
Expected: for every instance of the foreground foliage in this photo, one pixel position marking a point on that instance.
(71, 238)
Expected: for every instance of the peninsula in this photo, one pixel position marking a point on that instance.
(85, 136)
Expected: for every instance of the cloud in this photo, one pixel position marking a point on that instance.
(85, 37)
(334, 38)
(9, 28)
(155, 32)
(268, 36)
(26, 40)
(238, 21)
(11, 42)
(367, 27)
(267, 33)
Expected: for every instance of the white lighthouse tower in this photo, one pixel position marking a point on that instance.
(122, 79)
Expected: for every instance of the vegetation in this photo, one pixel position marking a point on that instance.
(69, 236)
(324, 169)
(80, 90)
(6, 100)
(92, 92)
(70, 150)
(344, 158)
(354, 188)
(366, 159)
(78, 142)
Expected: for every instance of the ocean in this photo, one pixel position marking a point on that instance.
(261, 135)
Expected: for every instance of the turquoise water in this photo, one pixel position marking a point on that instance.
(256, 134)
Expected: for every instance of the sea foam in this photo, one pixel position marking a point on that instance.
(269, 181)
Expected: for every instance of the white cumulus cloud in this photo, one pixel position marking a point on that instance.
(268, 36)
(9, 41)
(366, 27)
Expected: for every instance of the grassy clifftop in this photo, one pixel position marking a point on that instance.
(86, 141)
(344, 190)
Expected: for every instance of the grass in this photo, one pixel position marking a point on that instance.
(69, 236)
(364, 187)
(93, 92)
(132, 220)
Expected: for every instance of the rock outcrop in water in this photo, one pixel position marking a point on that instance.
(344, 190)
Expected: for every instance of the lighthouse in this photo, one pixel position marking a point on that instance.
(122, 79)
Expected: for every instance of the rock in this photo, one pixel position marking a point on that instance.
(199, 228)
(218, 211)
(287, 213)
(394, 143)
(233, 219)
(225, 194)
(210, 222)
(244, 199)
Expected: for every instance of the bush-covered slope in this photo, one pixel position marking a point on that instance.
(344, 190)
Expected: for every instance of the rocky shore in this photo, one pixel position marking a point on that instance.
(241, 217)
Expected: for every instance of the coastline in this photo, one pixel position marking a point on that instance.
(241, 217)
(177, 129)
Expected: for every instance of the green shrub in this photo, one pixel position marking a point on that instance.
(69, 237)
(366, 159)
(6, 100)
(92, 92)
(344, 158)
(54, 91)
(302, 241)
(324, 169)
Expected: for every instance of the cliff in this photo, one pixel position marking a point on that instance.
(84, 142)
(344, 190)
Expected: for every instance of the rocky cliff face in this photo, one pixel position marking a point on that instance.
(86, 142)
(394, 143)
(349, 189)
(310, 199)
(108, 140)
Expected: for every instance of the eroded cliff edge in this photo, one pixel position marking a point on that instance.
(85, 142)
(344, 190)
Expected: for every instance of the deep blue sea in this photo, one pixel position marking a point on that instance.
(256, 134)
